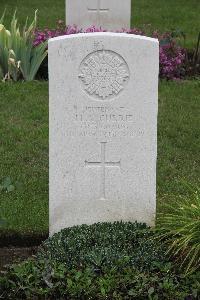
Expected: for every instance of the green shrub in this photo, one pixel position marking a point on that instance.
(102, 244)
(101, 261)
(18, 57)
(179, 227)
(51, 280)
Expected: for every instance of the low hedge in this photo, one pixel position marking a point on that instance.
(101, 261)
(103, 244)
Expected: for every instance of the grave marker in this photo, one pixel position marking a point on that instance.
(108, 14)
(103, 128)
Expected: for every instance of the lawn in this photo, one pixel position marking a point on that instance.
(24, 119)
(163, 15)
(24, 148)
(24, 155)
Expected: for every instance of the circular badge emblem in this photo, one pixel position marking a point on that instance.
(104, 74)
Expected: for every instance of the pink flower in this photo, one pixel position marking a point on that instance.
(172, 57)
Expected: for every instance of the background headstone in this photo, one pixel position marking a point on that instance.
(103, 128)
(109, 14)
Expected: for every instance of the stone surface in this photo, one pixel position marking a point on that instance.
(110, 14)
(103, 128)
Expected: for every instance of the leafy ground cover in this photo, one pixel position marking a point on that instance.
(160, 14)
(24, 149)
(101, 261)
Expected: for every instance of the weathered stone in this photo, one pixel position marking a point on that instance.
(109, 14)
(103, 128)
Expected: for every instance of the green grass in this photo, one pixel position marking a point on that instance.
(163, 15)
(168, 15)
(24, 155)
(178, 135)
(24, 148)
(49, 11)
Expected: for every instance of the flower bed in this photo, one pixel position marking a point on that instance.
(172, 56)
(17, 63)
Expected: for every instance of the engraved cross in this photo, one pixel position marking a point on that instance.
(103, 164)
(98, 10)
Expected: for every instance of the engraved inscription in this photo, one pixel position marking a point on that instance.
(103, 121)
(98, 10)
(104, 74)
(103, 164)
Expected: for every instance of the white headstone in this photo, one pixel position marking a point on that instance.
(103, 128)
(109, 14)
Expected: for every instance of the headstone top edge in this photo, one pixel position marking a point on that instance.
(103, 34)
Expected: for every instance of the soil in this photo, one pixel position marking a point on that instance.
(15, 247)
(9, 255)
